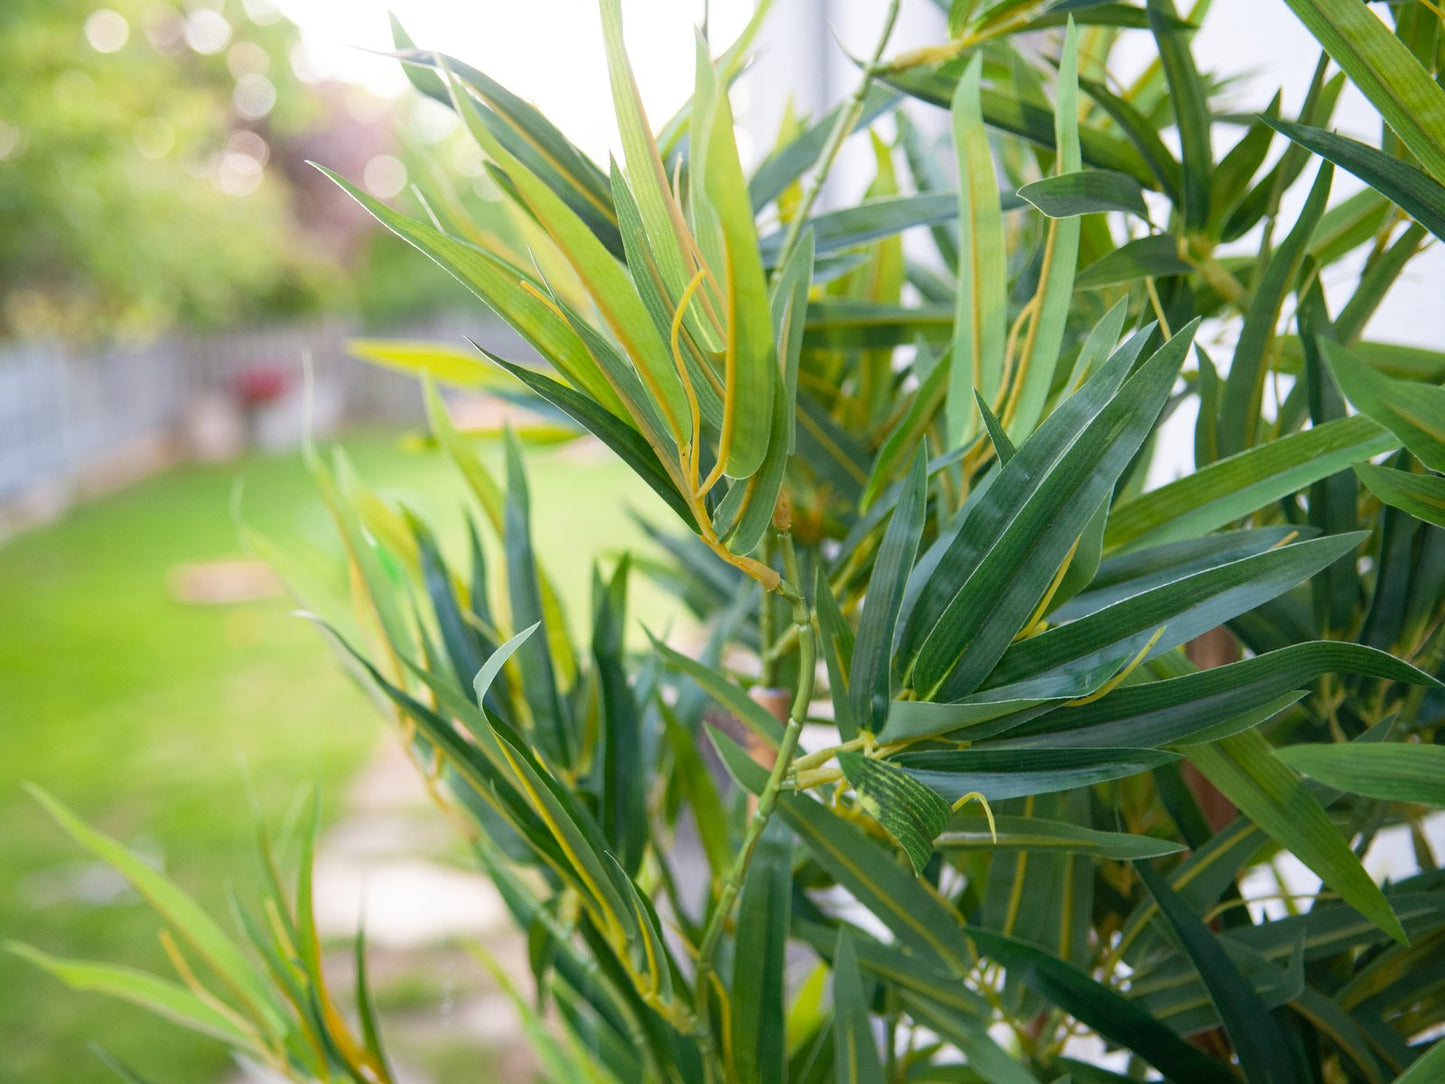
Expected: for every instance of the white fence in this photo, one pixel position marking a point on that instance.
(73, 419)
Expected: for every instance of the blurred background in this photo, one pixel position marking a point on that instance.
(167, 259)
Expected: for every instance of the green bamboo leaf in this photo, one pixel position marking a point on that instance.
(1093, 191)
(1230, 184)
(1040, 347)
(745, 513)
(523, 129)
(534, 658)
(462, 642)
(910, 812)
(870, 676)
(1414, 190)
(366, 1005)
(1421, 495)
(1413, 412)
(1389, 772)
(961, 545)
(600, 273)
(1171, 988)
(695, 335)
(1264, 1055)
(1385, 71)
(1183, 609)
(789, 302)
(1026, 119)
(760, 1046)
(169, 999)
(1379, 276)
(751, 376)
(1157, 713)
(1274, 797)
(1000, 774)
(980, 319)
(1141, 570)
(1162, 170)
(1155, 256)
(498, 284)
(1003, 448)
(1190, 101)
(856, 1059)
(1008, 833)
(624, 787)
(629, 445)
(919, 918)
(1103, 1009)
(1239, 417)
(869, 221)
(1033, 530)
(661, 216)
(444, 363)
(836, 646)
(1230, 489)
(181, 912)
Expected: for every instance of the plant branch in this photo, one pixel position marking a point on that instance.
(767, 800)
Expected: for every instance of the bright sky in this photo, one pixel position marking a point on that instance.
(548, 51)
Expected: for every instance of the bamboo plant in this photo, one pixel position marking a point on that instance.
(909, 500)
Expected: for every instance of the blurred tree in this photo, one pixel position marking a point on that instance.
(139, 149)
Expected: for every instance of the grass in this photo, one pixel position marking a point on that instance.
(148, 715)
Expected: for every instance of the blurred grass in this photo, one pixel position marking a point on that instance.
(148, 715)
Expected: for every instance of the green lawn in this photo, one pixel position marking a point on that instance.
(148, 715)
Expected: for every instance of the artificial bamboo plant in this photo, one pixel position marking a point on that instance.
(1000, 832)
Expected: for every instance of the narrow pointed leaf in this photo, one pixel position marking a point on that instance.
(1040, 345)
(1239, 417)
(1421, 495)
(856, 1058)
(1413, 412)
(1189, 98)
(869, 682)
(977, 357)
(1000, 774)
(497, 284)
(1276, 799)
(1155, 256)
(1411, 188)
(910, 812)
(989, 608)
(181, 912)
(758, 996)
(157, 995)
(1230, 489)
(1183, 608)
(1385, 71)
(1261, 1047)
(1389, 772)
(1086, 192)
(1157, 713)
(1037, 834)
(1107, 1011)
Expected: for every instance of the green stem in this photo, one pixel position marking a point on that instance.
(767, 626)
(767, 800)
(842, 127)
